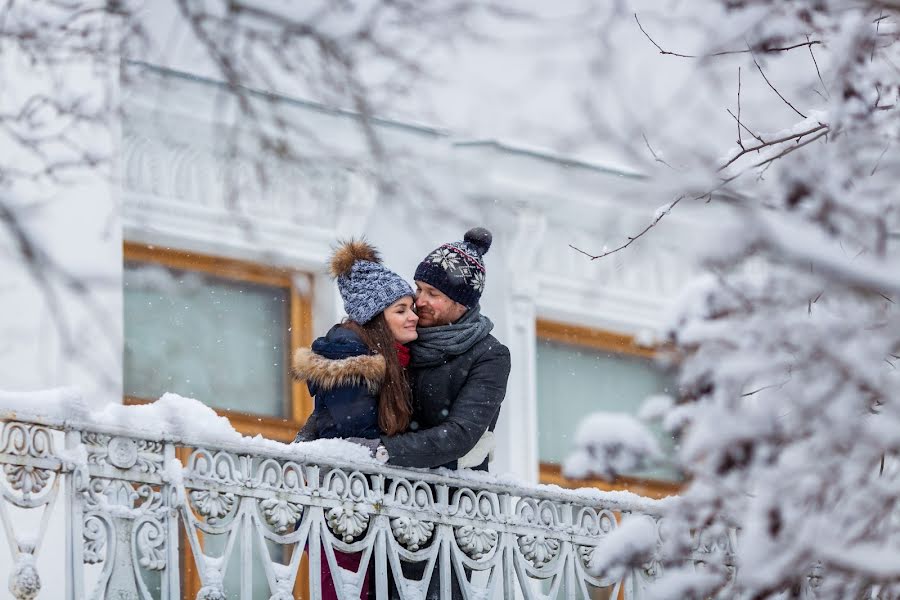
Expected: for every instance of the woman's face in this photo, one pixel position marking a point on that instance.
(401, 319)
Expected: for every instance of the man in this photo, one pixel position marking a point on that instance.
(458, 370)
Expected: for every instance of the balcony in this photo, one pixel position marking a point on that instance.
(166, 501)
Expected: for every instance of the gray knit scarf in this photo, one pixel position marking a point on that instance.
(435, 344)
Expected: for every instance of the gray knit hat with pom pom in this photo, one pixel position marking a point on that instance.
(366, 286)
(457, 268)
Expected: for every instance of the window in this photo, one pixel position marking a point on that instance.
(218, 330)
(581, 371)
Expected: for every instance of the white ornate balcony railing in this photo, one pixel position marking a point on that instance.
(248, 508)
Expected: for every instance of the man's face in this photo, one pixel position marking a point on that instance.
(435, 307)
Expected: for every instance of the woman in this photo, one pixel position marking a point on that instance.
(357, 371)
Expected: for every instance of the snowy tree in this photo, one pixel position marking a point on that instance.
(788, 349)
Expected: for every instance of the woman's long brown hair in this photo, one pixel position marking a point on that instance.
(395, 398)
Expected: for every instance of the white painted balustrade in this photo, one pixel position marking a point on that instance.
(248, 510)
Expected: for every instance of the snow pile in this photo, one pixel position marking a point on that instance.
(607, 444)
(633, 542)
(678, 584)
(172, 417)
(61, 403)
(655, 407)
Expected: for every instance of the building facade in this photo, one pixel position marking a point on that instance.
(221, 273)
(582, 333)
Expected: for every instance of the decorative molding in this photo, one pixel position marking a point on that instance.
(183, 187)
(166, 173)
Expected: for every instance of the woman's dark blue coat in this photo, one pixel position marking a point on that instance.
(345, 378)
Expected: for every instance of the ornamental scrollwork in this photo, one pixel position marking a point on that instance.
(411, 532)
(405, 493)
(543, 513)
(354, 487)
(480, 505)
(152, 498)
(27, 479)
(24, 582)
(596, 523)
(211, 592)
(213, 586)
(102, 493)
(150, 540)
(22, 439)
(476, 542)
(93, 441)
(94, 532)
(221, 466)
(707, 542)
(650, 570)
(211, 504)
(586, 553)
(123, 452)
(347, 522)
(539, 550)
(275, 475)
(281, 514)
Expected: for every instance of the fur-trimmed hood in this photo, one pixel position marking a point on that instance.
(339, 359)
(329, 373)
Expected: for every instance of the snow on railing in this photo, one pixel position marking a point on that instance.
(141, 485)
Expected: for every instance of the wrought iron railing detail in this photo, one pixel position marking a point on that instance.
(139, 506)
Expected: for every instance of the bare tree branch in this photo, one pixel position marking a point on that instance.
(764, 49)
(653, 153)
(632, 239)
(774, 89)
(773, 142)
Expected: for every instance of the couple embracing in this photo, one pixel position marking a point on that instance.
(414, 376)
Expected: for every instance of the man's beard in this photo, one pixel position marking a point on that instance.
(429, 316)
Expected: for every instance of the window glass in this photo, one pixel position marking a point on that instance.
(221, 341)
(574, 382)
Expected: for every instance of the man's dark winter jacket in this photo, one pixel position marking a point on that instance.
(345, 377)
(453, 405)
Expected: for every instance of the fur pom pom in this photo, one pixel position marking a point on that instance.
(347, 253)
(481, 238)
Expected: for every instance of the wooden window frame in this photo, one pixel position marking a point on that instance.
(299, 403)
(607, 341)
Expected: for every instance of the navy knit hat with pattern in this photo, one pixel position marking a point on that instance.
(457, 268)
(366, 286)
